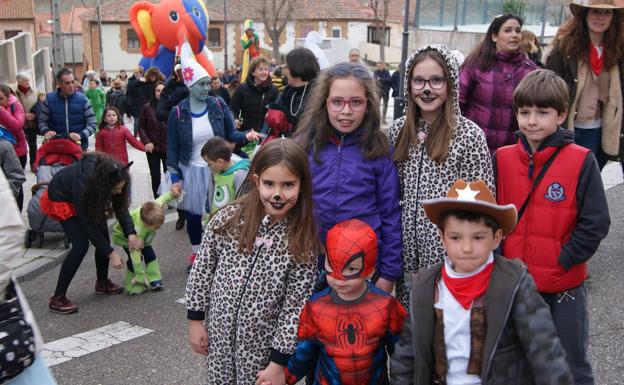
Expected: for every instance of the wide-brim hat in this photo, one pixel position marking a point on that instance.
(577, 8)
(474, 197)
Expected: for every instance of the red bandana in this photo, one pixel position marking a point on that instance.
(23, 89)
(595, 61)
(466, 290)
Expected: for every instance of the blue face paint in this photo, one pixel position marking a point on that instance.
(201, 89)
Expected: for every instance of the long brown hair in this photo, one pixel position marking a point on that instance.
(572, 39)
(441, 129)
(314, 130)
(302, 240)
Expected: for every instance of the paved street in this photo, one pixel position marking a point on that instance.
(143, 339)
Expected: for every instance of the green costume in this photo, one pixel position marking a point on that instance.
(224, 188)
(139, 280)
(97, 98)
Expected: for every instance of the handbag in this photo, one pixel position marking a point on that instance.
(17, 341)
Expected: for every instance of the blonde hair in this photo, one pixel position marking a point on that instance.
(152, 214)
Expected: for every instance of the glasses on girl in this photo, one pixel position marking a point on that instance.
(338, 104)
(436, 82)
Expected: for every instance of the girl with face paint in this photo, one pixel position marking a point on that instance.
(254, 271)
(191, 123)
(435, 145)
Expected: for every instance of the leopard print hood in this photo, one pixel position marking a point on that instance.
(451, 63)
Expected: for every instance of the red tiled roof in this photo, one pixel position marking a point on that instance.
(117, 10)
(17, 9)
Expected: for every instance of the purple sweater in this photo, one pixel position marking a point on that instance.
(486, 97)
(345, 186)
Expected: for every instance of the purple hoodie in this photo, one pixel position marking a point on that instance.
(486, 97)
(345, 185)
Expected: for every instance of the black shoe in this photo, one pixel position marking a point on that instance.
(180, 223)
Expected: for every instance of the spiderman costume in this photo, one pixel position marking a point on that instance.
(345, 342)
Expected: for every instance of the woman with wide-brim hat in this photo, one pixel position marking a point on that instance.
(588, 54)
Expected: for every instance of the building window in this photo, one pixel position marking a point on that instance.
(133, 39)
(374, 39)
(336, 32)
(11, 33)
(214, 37)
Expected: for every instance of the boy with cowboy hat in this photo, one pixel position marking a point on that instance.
(477, 317)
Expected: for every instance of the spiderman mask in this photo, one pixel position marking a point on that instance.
(347, 242)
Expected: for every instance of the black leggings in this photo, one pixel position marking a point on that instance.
(20, 195)
(153, 161)
(79, 246)
(31, 138)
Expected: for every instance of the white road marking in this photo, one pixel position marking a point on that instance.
(67, 349)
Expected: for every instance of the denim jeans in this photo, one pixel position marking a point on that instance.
(591, 138)
(569, 313)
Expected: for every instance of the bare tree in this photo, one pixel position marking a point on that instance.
(275, 15)
(380, 11)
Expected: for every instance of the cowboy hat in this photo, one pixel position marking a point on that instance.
(474, 197)
(578, 8)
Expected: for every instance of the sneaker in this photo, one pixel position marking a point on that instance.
(157, 285)
(107, 287)
(61, 304)
(180, 223)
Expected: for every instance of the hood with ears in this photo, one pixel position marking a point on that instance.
(451, 63)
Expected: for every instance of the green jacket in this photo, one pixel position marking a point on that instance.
(142, 232)
(225, 185)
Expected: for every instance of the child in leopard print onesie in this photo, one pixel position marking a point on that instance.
(254, 272)
(434, 146)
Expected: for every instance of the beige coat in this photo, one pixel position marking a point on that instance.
(611, 112)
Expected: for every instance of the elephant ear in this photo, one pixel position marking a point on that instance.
(141, 20)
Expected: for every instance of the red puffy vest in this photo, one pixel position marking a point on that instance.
(550, 215)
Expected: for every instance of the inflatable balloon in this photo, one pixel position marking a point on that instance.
(163, 27)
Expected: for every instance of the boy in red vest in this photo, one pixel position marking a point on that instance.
(562, 209)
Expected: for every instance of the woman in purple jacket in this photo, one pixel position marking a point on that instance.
(353, 175)
(488, 78)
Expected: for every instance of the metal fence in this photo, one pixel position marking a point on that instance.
(454, 14)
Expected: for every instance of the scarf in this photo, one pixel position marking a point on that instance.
(596, 60)
(466, 290)
(23, 89)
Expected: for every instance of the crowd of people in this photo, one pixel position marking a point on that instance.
(456, 243)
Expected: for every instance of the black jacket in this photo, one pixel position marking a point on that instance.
(67, 186)
(521, 343)
(137, 94)
(249, 102)
(173, 93)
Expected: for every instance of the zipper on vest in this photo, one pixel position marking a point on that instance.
(67, 115)
(531, 166)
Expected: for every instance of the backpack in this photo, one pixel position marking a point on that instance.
(116, 98)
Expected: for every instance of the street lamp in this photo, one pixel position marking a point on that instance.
(399, 101)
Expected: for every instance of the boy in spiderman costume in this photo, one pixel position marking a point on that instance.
(347, 329)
